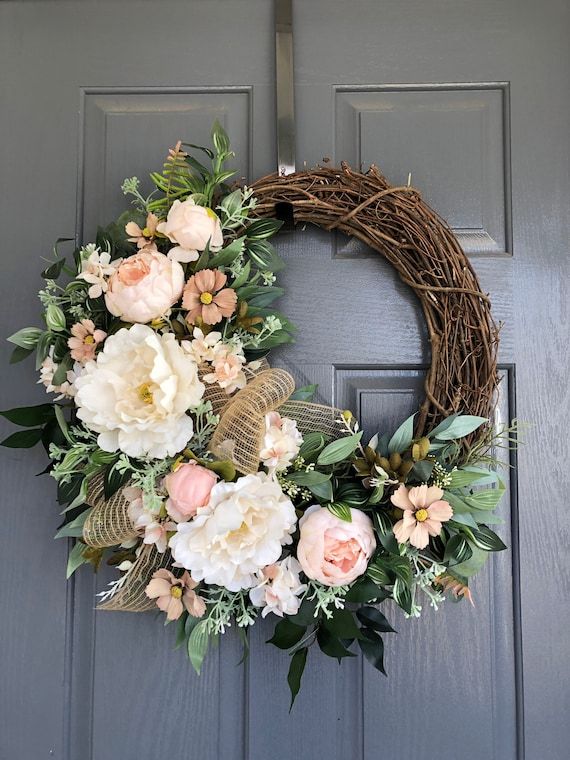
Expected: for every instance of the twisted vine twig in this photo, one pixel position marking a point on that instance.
(397, 223)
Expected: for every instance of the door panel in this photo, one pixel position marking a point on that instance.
(470, 99)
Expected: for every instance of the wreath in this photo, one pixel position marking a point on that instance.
(219, 491)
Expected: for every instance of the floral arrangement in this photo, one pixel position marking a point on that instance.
(218, 491)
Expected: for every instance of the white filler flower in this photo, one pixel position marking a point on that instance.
(137, 392)
(238, 533)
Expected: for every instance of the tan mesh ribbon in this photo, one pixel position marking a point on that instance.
(238, 437)
(131, 597)
(109, 523)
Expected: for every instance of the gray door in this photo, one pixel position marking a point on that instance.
(472, 99)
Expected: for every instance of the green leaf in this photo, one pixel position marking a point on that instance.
(74, 529)
(55, 318)
(232, 203)
(378, 574)
(42, 350)
(402, 596)
(372, 647)
(403, 437)
(471, 566)
(487, 540)
(339, 450)
(286, 634)
(28, 416)
(373, 618)
(457, 550)
(263, 228)
(114, 480)
(457, 426)
(341, 510)
(342, 625)
(266, 296)
(243, 277)
(322, 491)
(353, 494)
(306, 614)
(487, 499)
(27, 337)
(296, 668)
(228, 254)
(181, 630)
(313, 443)
(398, 567)
(62, 422)
(264, 256)
(23, 439)
(305, 393)
(220, 138)
(76, 558)
(463, 519)
(54, 270)
(365, 590)
(198, 643)
(60, 375)
(421, 471)
(464, 477)
(331, 646)
(310, 478)
(19, 354)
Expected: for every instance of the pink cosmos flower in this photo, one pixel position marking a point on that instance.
(173, 594)
(84, 340)
(142, 237)
(206, 298)
(424, 512)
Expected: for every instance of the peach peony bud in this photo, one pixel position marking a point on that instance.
(189, 488)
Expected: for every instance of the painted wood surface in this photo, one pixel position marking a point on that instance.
(472, 99)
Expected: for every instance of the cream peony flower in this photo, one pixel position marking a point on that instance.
(191, 227)
(145, 286)
(238, 533)
(137, 392)
(279, 588)
(281, 442)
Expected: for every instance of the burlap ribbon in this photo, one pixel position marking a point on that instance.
(238, 438)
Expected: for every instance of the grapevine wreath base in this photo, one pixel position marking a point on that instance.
(218, 490)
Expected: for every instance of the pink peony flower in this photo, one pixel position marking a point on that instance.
(142, 237)
(206, 298)
(228, 370)
(333, 551)
(424, 512)
(144, 287)
(84, 340)
(173, 594)
(189, 488)
(192, 227)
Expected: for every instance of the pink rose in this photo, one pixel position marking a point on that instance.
(144, 286)
(333, 551)
(188, 489)
(191, 227)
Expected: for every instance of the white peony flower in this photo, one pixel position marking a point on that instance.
(136, 393)
(279, 588)
(281, 442)
(96, 267)
(238, 533)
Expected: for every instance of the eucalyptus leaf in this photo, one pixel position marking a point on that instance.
(76, 558)
(309, 478)
(403, 437)
(457, 426)
(305, 393)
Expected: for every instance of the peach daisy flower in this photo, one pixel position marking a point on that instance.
(206, 298)
(142, 237)
(84, 340)
(174, 594)
(424, 512)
